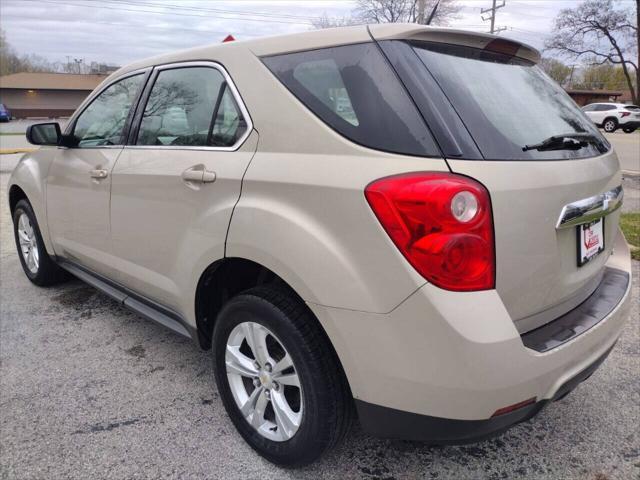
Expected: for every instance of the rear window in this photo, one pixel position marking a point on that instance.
(354, 90)
(505, 102)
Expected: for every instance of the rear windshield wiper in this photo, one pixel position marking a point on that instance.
(565, 141)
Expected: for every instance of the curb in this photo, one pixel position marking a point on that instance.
(9, 151)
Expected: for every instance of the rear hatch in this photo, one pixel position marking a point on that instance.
(491, 108)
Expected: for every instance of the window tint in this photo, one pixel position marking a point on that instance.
(505, 102)
(633, 108)
(607, 107)
(182, 106)
(229, 125)
(353, 90)
(104, 120)
(589, 108)
(322, 79)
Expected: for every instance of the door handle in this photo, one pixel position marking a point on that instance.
(98, 173)
(198, 174)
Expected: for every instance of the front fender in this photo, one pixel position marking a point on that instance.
(30, 175)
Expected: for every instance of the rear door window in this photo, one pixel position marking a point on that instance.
(191, 106)
(354, 90)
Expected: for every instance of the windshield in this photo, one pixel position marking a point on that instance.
(507, 103)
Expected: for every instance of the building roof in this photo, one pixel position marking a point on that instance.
(51, 81)
(602, 93)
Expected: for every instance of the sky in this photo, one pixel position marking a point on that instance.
(120, 31)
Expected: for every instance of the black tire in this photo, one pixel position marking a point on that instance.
(48, 272)
(327, 400)
(610, 125)
(629, 129)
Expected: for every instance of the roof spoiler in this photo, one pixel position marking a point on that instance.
(482, 41)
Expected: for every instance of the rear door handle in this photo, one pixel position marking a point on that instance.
(198, 174)
(98, 173)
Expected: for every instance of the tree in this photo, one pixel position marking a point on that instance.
(11, 62)
(606, 77)
(607, 35)
(393, 11)
(556, 69)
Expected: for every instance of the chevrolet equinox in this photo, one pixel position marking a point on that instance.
(413, 226)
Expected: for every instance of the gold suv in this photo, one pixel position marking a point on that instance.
(410, 225)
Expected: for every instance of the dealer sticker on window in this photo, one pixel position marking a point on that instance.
(590, 240)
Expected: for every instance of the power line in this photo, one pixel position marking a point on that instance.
(128, 25)
(493, 9)
(218, 10)
(122, 9)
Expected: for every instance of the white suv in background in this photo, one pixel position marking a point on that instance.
(611, 116)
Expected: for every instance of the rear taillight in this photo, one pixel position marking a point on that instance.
(442, 224)
(625, 114)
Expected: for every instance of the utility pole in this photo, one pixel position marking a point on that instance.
(421, 8)
(493, 16)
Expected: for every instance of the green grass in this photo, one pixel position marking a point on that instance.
(630, 224)
(11, 133)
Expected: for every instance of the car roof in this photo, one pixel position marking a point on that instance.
(612, 103)
(329, 37)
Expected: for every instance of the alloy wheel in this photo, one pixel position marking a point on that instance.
(264, 381)
(28, 243)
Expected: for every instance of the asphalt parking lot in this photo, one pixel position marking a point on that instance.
(90, 390)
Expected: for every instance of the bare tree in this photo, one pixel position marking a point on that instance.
(393, 11)
(597, 30)
(330, 22)
(396, 11)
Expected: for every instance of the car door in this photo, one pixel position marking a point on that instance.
(590, 111)
(177, 181)
(602, 112)
(79, 181)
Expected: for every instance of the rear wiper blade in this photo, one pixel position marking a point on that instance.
(565, 141)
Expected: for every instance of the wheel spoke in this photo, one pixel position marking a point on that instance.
(30, 260)
(291, 379)
(250, 405)
(256, 337)
(283, 364)
(258, 414)
(36, 256)
(287, 420)
(238, 363)
(23, 236)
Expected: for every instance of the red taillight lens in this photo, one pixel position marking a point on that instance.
(625, 114)
(442, 224)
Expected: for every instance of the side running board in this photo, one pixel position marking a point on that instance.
(138, 304)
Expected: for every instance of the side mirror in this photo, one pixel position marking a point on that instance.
(44, 134)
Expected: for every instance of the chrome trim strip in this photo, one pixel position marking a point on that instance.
(234, 92)
(590, 209)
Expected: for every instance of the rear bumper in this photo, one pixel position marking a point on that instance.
(390, 423)
(630, 124)
(440, 365)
